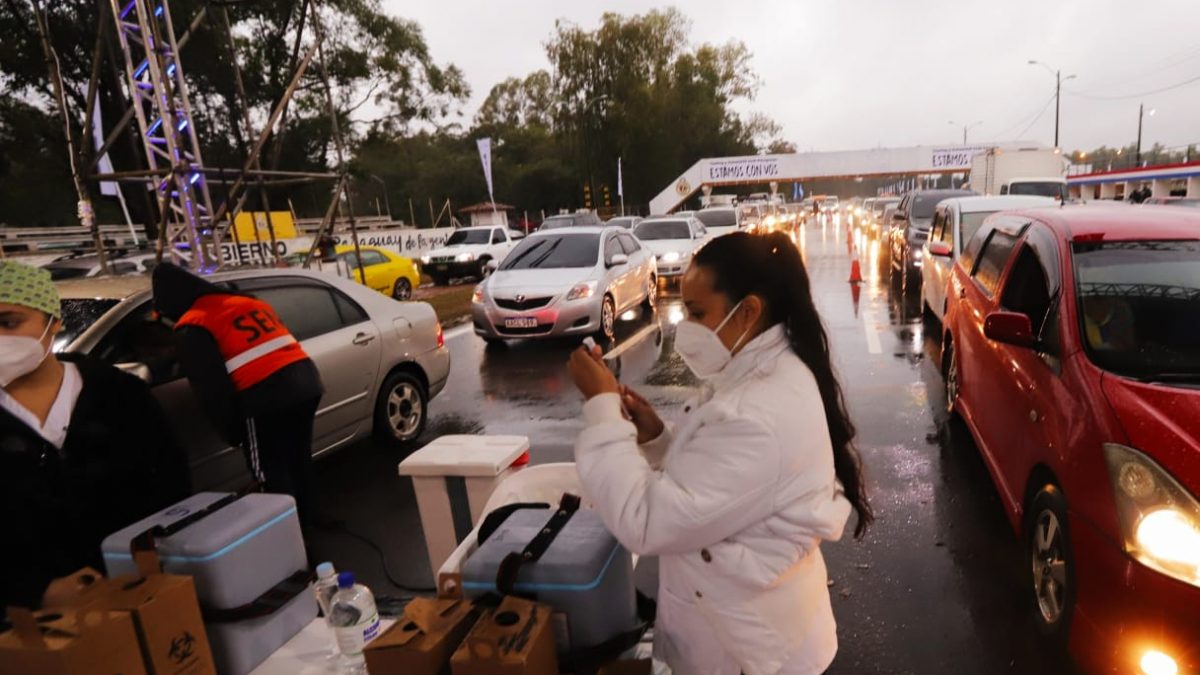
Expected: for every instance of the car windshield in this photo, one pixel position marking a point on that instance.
(555, 252)
(1139, 306)
(78, 315)
(880, 207)
(924, 204)
(1042, 189)
(460, 237)
(970, 224)
(624, 221)
(718, 218)
(663, 229)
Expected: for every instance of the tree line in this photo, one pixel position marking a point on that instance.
(633, 87)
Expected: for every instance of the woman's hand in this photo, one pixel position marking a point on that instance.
(641, 413)
(591, 376)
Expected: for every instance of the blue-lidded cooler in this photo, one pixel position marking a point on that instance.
(585, 575)
(236, 549)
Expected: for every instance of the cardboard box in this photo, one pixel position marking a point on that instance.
(166, 614)
(422, 641)
(69, 642)
(515, 638)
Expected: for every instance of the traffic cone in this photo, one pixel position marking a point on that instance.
(855, 269)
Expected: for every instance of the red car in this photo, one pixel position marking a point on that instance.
(1072, 352)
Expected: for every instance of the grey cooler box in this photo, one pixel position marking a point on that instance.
(585, 575)
(235, 554)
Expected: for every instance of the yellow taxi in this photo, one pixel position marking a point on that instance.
(387, 272)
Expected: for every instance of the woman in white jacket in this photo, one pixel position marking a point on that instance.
(760, 470)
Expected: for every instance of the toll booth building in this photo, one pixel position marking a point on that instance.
(487, 214)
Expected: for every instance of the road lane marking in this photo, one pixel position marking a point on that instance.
(459, 330)
(633, 340)
(873, 345)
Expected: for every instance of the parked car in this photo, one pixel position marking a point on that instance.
(672, 241)
(1070, 352)
(385, 271)
(720, 220)
(85, 266)
(467, 253)
(955, 221)
(909, 230)
(574, 281)
(626, 222)
(381, 361)
(582, 219)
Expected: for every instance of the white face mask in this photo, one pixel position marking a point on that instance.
(21, 355)
(701, 348)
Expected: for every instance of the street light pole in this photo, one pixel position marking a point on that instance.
(965, 127)
(1058, 80)
(1141, 113)
(386, 200)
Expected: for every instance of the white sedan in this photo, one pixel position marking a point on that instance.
(672, 240)
(955, 221)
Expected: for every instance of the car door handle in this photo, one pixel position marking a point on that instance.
(363, 338)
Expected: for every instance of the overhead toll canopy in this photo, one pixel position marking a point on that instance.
(804, 166)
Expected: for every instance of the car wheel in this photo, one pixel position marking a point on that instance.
(1051, 562)
(401, 410)
(950, 375)
(608, 319)
(651, 295)
(402, 290)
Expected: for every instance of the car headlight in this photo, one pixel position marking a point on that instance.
(425, 260)
(582, 291)
(670, 257)
(465, 257)
(1160, 519)
(477, 296)
(769, 221)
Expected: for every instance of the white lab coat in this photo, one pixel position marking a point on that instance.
(736, 502)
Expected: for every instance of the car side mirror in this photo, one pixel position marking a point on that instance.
(618, 260)
(1011, 328)
(940, 249)
(138, 370)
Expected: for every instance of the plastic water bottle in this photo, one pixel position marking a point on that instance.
(325, 588)
(355, 621)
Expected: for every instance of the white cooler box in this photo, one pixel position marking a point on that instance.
(236, 549)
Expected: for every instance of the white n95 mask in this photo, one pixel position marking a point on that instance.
(21, 355)
(701, 349)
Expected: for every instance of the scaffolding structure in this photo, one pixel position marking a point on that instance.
(190, 227)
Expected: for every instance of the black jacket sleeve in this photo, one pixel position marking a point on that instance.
(201, 361)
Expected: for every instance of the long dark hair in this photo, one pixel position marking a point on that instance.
(770, 267)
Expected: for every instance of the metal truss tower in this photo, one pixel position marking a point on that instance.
(160, 100)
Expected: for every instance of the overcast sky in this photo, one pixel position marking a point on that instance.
(852, 74)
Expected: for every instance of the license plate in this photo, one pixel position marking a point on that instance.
(521, 322)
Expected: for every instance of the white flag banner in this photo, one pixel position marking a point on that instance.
(107, 187)
(485, 156)
(620, 185)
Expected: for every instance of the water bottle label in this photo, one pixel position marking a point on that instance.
(352, 639)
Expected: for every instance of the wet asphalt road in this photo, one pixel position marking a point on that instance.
(937, 584)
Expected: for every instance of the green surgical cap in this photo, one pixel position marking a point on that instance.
(28, 286)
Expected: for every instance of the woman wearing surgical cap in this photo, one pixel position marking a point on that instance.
(85, 450)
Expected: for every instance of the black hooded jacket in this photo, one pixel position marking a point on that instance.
(175, 291)
(120, 462)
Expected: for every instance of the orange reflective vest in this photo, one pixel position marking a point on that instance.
(252, 340)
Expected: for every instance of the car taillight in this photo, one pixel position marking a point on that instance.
(441, 336)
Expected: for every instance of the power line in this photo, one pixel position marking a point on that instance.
(1036, 119)
(1138, 95)
(1024, 119)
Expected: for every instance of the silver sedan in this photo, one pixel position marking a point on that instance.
(566, 282)
(380, 360)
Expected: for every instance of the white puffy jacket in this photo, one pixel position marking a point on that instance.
(736, 502)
